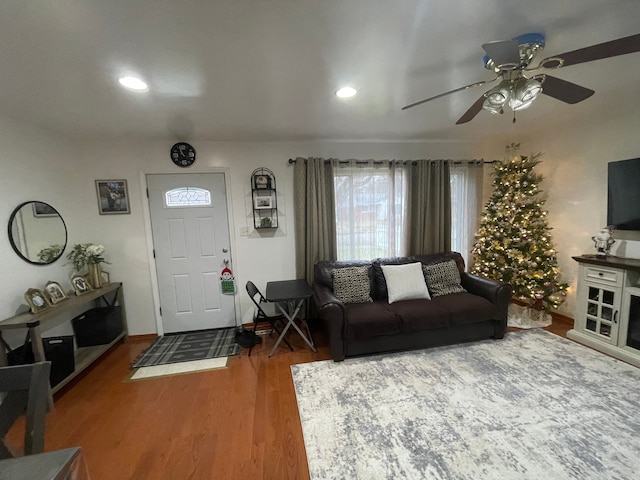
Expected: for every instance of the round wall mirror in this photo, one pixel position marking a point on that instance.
(37, 233)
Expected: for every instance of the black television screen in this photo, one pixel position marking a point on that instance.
(623, 194)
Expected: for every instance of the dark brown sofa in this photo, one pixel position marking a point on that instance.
(363, 328)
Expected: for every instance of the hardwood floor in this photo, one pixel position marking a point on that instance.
(240, 422)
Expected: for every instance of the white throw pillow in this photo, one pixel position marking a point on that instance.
(405, 282)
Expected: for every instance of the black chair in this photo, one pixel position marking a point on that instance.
(25, 388)
(266, 312)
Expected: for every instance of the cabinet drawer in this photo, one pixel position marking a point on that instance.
(603, 275)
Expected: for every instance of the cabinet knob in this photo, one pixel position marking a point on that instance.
(600, 273)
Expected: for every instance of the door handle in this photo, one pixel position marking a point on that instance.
(615, 316)
(225, 250)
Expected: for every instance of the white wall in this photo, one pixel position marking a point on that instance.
(35, 165)
(259, 256)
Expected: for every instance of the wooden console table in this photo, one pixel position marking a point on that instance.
(62, 312)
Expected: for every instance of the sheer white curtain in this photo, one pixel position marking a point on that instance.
(370, 204)
(466, 205)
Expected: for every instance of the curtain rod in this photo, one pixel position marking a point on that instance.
(380, 162)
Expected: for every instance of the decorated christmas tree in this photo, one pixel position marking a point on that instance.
(513, 243)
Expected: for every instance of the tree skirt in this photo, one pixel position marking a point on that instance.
(525, 317)
(185, 347)
(533, 406)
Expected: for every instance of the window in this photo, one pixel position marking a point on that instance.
(370, 203)
(188, 197)
(370, 206)
(466, 198)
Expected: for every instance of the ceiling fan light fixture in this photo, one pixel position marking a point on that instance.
(525, 91)
(494, 109)
(496, 98)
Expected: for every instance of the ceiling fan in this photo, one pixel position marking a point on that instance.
(510, 60)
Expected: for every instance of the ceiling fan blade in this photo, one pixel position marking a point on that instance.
(565, 91)
(614, 48)
(477, 84)
(503, 52)
(472, 112)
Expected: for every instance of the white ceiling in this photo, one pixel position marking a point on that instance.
(268, 69)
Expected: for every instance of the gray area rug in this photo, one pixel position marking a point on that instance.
(186, 347)
(532, 406)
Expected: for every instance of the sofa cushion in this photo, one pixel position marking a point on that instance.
(417, 315)
(351, 284)
(443, 278)
(467, 308)
(368, 320)
(405, 282)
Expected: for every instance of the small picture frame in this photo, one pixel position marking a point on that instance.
(113, 197)
(55, 291)
(37, 300)
(41, 209)
(80, 285)
(260, 203)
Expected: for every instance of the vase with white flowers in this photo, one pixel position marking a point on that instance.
(89, 255)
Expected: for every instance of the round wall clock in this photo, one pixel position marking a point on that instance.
(183, 154)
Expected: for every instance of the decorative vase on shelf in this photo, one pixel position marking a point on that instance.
(95, 275)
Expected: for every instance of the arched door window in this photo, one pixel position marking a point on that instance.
(188, 197)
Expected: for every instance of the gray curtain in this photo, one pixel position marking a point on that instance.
(315, 224)
(429, 207)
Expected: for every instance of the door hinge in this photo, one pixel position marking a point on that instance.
(154, 253)
(147, 193)
(160, 311)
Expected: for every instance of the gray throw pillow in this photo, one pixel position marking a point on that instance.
(351, 284)
(443, 278)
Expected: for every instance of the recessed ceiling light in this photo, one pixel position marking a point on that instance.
(133, 83)
(346, 92)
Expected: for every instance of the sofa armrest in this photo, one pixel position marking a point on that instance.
(332, 313)
(498, 293)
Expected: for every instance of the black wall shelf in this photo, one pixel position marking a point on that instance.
(264, 199)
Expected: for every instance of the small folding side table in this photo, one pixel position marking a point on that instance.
(290, 295)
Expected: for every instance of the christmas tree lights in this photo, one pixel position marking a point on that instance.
(513, 243)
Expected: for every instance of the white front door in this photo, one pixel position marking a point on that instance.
(190, 230)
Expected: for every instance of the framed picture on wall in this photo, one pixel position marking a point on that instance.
(113, 197)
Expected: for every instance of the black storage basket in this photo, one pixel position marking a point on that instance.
(57, 350)
(97, 326)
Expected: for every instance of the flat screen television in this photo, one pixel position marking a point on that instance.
(623, 194)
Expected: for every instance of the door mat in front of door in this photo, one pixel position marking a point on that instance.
(186, 347)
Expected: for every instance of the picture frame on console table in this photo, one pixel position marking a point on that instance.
(37, 300)
(55, 291)
(80, 285)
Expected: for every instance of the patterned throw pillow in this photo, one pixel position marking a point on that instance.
(351, 284)
(443, 278)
